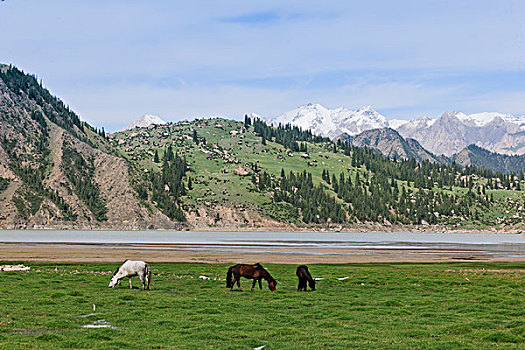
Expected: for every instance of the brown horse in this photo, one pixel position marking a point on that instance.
(255, 272)
(304, 275)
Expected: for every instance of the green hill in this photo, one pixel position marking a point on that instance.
(240, 175)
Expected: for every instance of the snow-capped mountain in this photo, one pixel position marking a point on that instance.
(144, 121)
(448, 134)
(482, 119)
(475, 120)
(332, 122)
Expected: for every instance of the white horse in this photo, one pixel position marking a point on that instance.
(132, 268)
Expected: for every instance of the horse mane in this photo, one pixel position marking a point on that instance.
(266, 275)
(118, 268)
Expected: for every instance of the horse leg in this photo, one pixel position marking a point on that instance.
(142, 280)
(260, 284)
(299, 285)
(239, 283)
(130, 286)
(253, 285)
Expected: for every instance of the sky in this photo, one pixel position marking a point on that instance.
(113, 61)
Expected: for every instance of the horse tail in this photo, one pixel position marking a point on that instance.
(229, 283)
(148, 276)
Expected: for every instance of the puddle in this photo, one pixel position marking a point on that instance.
(99, 324)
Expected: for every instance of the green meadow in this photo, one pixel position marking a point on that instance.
(386, 306)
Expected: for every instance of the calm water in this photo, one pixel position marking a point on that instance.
(508, 244)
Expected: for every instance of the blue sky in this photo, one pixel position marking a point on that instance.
(113, 61)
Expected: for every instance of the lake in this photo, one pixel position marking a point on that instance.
(314, 243)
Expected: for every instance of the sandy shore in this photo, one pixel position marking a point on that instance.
(516, 229)
(75, 252)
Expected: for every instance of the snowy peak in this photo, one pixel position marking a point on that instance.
(483, 119)
(418, 123)
(332, 122)
(144, 121)
(311, 116)
(355, 122)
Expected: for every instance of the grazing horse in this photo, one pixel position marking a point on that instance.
(304, 275)
(129, 269)
(255, 272)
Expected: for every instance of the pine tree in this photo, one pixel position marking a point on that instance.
(156, 157)
(195, 137)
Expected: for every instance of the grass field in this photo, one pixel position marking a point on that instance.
(393, 306)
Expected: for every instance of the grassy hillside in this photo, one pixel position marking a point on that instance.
(217, 150)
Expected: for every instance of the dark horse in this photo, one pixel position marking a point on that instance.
(304, 275)
(255, 272)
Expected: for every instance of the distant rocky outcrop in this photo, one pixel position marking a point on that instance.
(391, 144)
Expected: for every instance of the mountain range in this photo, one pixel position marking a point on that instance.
(58, 171)
(453, 131)
(453, 137)
(447, 135)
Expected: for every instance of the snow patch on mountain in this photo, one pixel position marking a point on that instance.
(418, 123)
(396, 123)
(482, 119)
(144, 121)
(332, 122)
(254, 116)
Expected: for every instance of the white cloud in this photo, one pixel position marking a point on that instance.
(97, 55)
